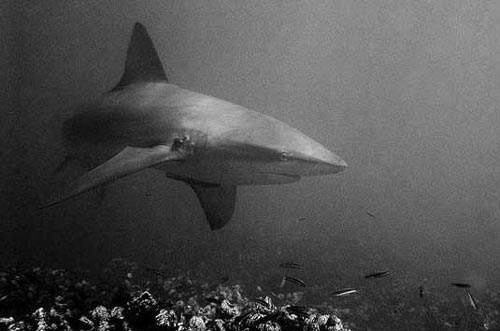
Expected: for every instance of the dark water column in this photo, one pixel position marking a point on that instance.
(10, 178)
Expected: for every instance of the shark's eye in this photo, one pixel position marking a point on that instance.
(284, 156)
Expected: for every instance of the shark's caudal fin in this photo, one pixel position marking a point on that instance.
(217, 201)
(143, 63)
(128, 161)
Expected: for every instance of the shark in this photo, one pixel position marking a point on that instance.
(210, 144)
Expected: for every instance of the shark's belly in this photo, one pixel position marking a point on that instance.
(228, 172)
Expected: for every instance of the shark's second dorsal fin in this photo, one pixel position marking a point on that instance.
(143, 63)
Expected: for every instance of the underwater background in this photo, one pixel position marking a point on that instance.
(406, 92)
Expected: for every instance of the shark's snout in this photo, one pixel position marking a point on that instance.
(332, 163)
(310, 158)
(316, 160)
(322, 160)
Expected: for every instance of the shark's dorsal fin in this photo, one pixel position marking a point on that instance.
(143, 63)
(216, 200)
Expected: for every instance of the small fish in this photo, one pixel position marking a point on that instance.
(345, 291)
(398, 307)
(290, 265)
(421, 291)
(379, 274)
(472, 301)
(298, 310)
(4, 297)
(156, 272)
(370, 214)
(294, 280)
(302, 219)
(461, 285)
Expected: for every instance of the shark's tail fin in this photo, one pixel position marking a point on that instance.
(143, 63)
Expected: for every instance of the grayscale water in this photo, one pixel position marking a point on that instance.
(407, 92)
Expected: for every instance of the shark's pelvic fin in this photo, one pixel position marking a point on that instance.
(217, 201)
(128, 161)
(143, 63)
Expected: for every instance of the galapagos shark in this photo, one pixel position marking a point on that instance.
(210, 144)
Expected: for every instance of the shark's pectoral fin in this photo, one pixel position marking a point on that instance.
(217, 201)
(128, 161)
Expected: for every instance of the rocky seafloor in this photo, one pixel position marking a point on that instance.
(54, 299)
(126, 296)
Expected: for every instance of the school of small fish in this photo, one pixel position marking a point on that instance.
(373, 275)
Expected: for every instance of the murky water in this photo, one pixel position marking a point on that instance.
(405, 91)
